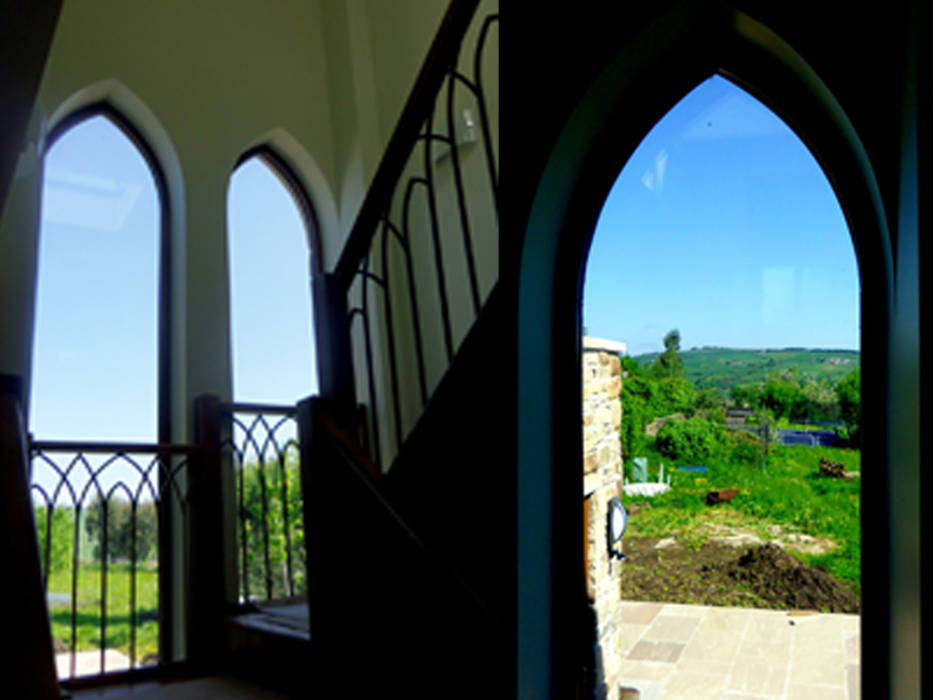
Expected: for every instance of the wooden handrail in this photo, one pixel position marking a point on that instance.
(267, 408)
(442, 54)
(114, 447)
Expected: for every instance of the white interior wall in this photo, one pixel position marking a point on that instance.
(318, 80)
(203, 82)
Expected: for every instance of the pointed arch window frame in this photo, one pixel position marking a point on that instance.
(286, 174)
(164, 276)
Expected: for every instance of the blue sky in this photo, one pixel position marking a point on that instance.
(94, 353)
(94, 373)
(270, 290)
(722, 225)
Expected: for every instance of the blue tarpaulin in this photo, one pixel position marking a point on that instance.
(691, 469)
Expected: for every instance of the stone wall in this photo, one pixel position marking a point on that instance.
(602, 480)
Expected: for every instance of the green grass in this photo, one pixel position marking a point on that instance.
(88, 612)
(790, 493)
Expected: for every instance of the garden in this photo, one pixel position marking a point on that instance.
(787, 536)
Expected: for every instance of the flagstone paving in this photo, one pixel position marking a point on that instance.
(87, 663)
(676, 651)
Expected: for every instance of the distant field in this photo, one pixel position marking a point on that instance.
(723, 368)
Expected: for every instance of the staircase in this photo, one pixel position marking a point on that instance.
(410, 578)
(408, 574)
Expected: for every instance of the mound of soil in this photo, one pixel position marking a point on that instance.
(762, 576)
(776, 575)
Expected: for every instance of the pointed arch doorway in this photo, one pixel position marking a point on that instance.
(723, 227)
(636, 88)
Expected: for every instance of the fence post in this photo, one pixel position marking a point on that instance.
(29, 666)
(207, 641)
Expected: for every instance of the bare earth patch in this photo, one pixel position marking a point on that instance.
(749, 574)
(738, 537)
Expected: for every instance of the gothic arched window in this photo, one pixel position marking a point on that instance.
(96, 353)
(271, 237)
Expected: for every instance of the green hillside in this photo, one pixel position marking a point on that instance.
(723, 368)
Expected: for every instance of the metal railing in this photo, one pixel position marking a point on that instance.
(262, 442)
(102, 520)
(399, 255)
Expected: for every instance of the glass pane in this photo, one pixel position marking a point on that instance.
(94, 373)
(270, 290)
(722, 261)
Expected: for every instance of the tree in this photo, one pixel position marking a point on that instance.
(746, 395)
(265, 483)
(122, 519)
(60, 537)
(669, 362)
(781, 394)
(711, 404)
(631, 366)
(820, 402)
(849, 395)
(676, 395)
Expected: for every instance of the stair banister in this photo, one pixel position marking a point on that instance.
(384, 330)
(420, 103)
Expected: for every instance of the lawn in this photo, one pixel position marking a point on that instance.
(789, 493)
(88, 611)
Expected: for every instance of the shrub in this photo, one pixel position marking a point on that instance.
(674, 395)
(746, 448)
(692, 440)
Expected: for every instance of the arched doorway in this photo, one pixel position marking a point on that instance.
(630, 95)
(721, 225)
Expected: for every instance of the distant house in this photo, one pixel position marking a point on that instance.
(735, 417)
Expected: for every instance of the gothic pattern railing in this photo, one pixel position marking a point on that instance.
(111, 498)
(388, 266)
(262, 442)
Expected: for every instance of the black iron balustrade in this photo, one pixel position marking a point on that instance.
(355, 272)
(262, 442)
(94, 480)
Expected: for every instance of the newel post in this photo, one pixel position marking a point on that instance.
(207, 563)
(323, 490)
(334, 351)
